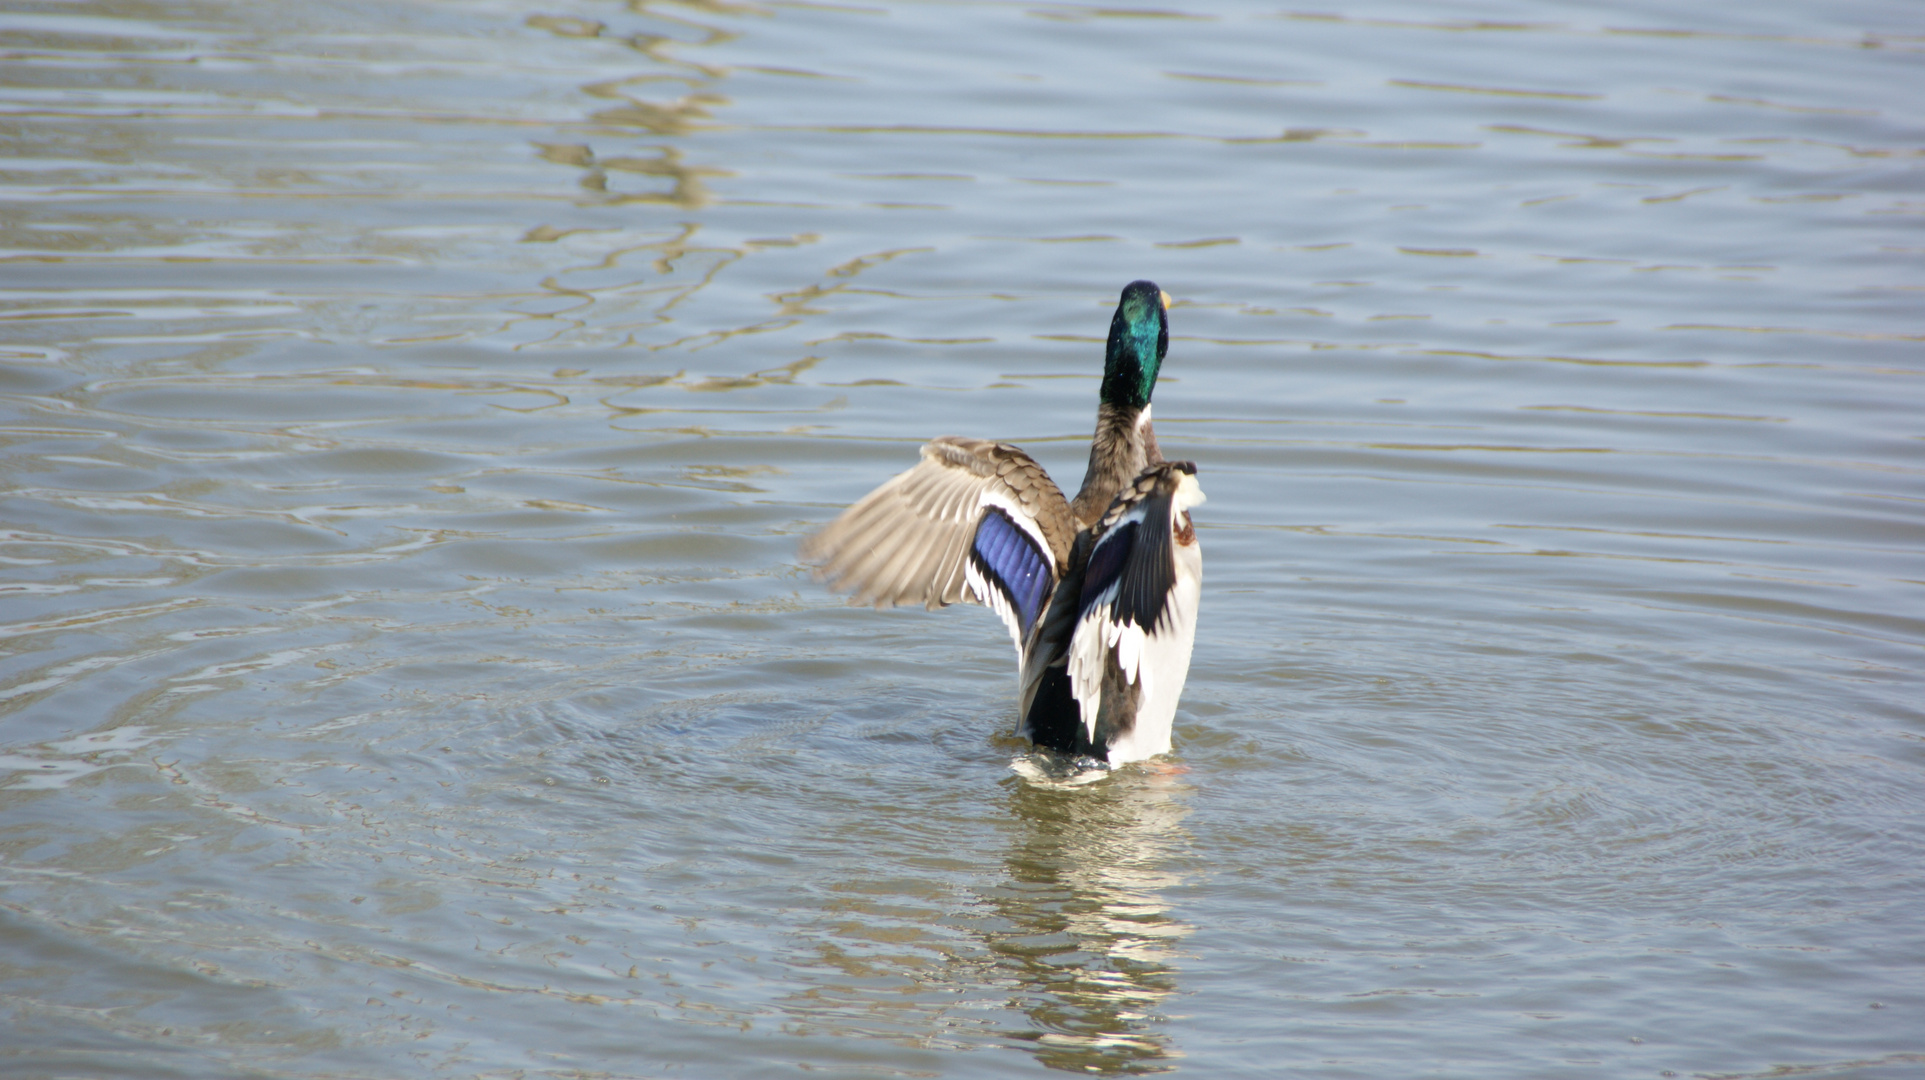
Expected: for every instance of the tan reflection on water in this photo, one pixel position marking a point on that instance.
(1069, 956)
(1088, 931)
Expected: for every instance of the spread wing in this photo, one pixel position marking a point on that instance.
(1131, 612)
(974, 520)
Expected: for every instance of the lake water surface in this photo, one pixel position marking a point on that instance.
(409, 412)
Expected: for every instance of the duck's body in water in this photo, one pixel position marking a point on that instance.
(1099, 592)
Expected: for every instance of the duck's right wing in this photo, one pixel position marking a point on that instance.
(974, 520)
(1137, 606)
(1123, 621)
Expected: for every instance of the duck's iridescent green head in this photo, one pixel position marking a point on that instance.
(1139, 336)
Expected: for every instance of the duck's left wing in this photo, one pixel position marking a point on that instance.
(1136, 615)
(974, 520)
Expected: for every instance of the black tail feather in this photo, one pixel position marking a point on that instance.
(1054, 722)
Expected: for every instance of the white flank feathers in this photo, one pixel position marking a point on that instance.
(1164, 667)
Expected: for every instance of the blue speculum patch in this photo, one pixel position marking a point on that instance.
(1007, 555)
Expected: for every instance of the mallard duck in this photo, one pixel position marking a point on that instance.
(1099, 592)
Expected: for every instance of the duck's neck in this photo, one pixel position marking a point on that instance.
(1124, 445)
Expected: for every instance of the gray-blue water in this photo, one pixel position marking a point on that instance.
(410, 411)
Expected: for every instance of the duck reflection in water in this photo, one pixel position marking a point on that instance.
(1068, 956)
(1084, 923)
